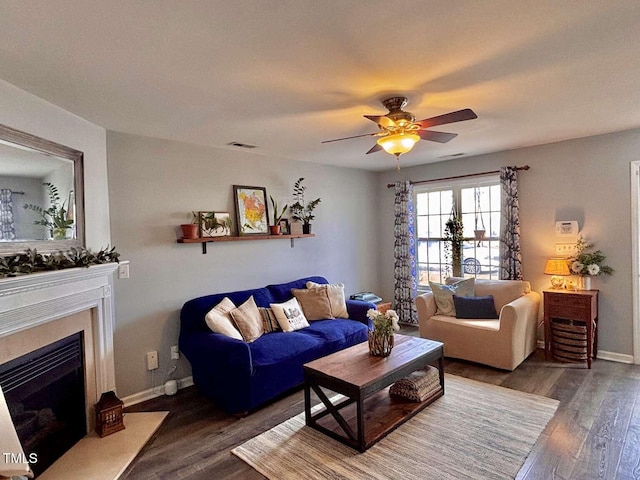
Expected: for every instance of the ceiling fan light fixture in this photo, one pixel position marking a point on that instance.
(398, 143)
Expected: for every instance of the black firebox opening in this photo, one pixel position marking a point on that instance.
(45, 393)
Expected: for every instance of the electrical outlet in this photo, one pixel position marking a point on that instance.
(152, 360)
(175, 353)
(565, 249)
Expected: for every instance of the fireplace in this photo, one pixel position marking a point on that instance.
(42, 312)
(45, 393)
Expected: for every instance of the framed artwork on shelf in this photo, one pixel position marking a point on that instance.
(214, 224)
(284, 226)
(252, 216)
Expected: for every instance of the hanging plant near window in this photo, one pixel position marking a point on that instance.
(480, 230)
(453, 243)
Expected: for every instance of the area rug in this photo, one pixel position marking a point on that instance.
(475, 431)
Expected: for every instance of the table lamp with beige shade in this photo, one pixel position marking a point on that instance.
(558, 268)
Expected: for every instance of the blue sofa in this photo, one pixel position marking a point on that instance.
(240, 376)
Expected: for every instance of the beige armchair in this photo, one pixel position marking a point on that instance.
(503, 343)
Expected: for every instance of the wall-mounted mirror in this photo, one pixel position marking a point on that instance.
(41, 194)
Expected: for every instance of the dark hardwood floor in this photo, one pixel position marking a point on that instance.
(594, 434)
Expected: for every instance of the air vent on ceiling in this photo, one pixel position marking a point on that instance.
(453, 155)
(241, 145)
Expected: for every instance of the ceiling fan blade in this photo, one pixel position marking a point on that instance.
(452, 117)
(347, 138)
(381, 120)
(440, 137)
(374, 149)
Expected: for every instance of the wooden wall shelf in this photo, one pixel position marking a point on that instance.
(206, 240)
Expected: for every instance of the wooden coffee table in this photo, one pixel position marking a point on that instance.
(368, 413)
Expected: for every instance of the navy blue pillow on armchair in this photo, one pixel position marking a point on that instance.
(475, 307)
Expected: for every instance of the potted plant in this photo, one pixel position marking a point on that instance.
(480, 230)
(190, 230)
(301, 211)
(56, 218)
(275, 228)
(453, 248)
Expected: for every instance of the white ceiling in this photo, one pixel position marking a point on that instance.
(286, 74)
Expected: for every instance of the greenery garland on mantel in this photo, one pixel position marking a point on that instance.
(33, 262)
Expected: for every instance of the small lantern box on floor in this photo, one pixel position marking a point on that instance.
(109, 414)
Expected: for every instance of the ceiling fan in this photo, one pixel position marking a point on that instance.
(399, 131)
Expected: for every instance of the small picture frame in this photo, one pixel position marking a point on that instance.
(284, 226)
(214, 224)
(252, 214)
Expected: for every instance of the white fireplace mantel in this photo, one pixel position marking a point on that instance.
(29, 301)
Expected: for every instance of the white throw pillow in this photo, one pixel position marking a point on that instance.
(289, 315)
(219, 320)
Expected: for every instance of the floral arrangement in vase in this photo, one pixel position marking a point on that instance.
(381, 336)
(588, 263)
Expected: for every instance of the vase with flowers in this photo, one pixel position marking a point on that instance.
(381, 335)
(587, 264)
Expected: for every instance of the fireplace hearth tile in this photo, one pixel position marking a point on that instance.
(106, 458)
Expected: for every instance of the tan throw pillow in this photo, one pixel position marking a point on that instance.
(289, 315)
(248, 320)
(269, 320)
(219, 320)
(314, 302)
(335, 292)
(443, 295)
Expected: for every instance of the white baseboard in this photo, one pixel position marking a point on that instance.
(615, 357)
(155, 392)
(603, 355)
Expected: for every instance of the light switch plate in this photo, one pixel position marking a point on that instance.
(123, 270)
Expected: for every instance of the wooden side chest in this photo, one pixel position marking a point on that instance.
(571, 325)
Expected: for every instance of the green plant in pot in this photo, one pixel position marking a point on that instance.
(453, 247)
(190, 230)
(56, 218)
(301, 211)
(275, 228)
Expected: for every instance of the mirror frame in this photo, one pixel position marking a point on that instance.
(49, 148)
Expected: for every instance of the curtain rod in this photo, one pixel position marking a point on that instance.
(524, 167)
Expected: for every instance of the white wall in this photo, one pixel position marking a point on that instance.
(154, 184)
(26, 112)
(586, 180)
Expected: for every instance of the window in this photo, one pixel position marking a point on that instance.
(479, 206)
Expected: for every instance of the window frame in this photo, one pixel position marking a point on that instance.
(457, 186)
